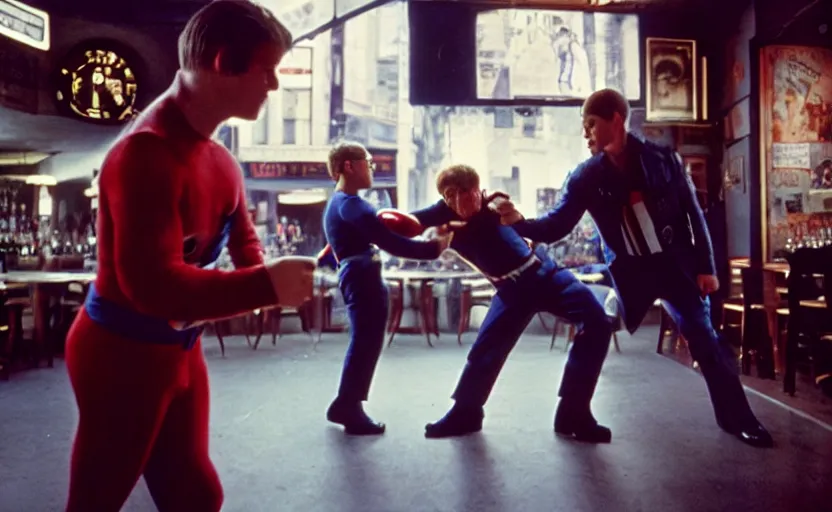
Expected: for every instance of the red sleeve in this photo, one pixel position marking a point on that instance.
(142, 185)
(244, 245)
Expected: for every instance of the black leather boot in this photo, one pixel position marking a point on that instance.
(459, 421)
(352, 416)
(576, 422)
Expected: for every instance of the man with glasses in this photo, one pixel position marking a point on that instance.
(352, 228)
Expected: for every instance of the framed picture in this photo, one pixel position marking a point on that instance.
(735, 174)
(672, 82)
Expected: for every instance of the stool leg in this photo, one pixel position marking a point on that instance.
(6, 351)
(395, 317)
(570, 337)
(218, 332)
(555, 328)
(465, 305)
(278, 319)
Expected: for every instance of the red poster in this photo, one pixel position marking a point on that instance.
(796, 117)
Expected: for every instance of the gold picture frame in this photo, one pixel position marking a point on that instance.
(672, 76)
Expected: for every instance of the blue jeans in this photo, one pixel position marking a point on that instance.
(365, 296)
(547, 289)
(691, 312)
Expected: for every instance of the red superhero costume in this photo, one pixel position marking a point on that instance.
(166, 195)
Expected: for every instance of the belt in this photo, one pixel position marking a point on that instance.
(369, 256)
(137, 326)
(532, 262)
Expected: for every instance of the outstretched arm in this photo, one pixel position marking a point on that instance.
(141, 190)
(561, 220)
(436, 214)
(701, 236)
(360, 213)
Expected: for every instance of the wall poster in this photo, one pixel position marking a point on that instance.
(796, 118)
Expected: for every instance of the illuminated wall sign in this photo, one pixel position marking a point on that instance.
(24, 24)
(295, 69)
(385, 172)
(97, 82)
(18, 76)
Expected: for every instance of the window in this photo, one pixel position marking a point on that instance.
(260, 129)
(530, 126)
(503, 117)
(289, 131)
(297, 115)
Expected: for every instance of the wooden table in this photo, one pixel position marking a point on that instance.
(36, 277)
(44, 284)
(423, 276)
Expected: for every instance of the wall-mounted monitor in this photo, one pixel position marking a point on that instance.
(465, 53)
(537, 54)
(25, 24)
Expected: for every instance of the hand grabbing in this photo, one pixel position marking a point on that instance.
(508, 213)
(500, 203)
(442, 234)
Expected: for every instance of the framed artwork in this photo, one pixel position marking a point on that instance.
(672, 82)
(735, 174)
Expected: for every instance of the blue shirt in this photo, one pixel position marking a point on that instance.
(494, 249)
(352, 227)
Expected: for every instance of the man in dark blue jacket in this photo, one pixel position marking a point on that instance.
(526, 281)
(643, 204)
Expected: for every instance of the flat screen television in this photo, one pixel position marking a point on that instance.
(464, 53)
(536, 54)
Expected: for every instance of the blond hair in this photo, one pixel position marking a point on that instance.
(460, 177)
(343, 152)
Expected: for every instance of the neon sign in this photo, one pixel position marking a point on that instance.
(98, 84)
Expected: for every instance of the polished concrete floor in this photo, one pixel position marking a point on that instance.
(275, 452)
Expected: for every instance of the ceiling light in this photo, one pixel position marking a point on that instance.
(301, 197)
(32, 179)
(23, 158)
(41, 180)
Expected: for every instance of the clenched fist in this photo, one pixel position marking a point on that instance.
(292, 279)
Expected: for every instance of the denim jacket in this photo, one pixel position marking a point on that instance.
(598, 187)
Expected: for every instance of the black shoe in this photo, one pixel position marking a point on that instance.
(580, 425)
(753, 434)
(459, 421)
(355, 421)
